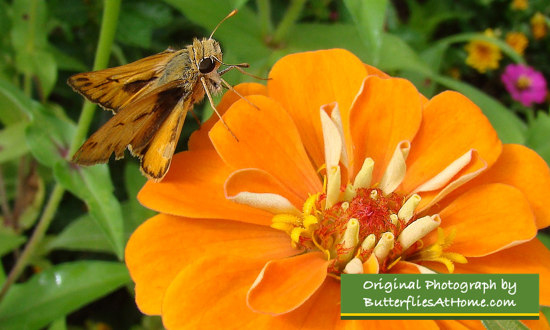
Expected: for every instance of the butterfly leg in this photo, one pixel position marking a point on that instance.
(214, 107)
(194, 114)
(226, 84)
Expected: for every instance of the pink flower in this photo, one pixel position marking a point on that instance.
(525, 84)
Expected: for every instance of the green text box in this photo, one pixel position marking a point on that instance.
(440, 296)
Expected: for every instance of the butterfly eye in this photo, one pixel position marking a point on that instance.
(206, 65)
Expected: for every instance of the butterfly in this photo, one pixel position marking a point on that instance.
(150, 99)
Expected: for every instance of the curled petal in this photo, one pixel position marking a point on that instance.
(527, 258)
(257, 181)
(524, 169)
(395, 172)
(195, 189)
(451, 126)
(332, 140)
(163, 245)
(301, 88)
(472, 169)
(389, 120)
(487, 219)
(285, 284)
(272, 203)
(283, 154)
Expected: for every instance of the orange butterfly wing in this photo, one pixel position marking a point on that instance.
(147, 121)
(116, 87)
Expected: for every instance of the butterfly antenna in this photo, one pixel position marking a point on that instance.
(232, 13)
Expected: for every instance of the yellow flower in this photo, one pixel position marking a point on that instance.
(518, 41)
(520, 4)
(539, 26)
(483, 55)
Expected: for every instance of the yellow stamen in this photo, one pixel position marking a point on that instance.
(435, 252)
(364, 177)
(394, 219)
(384, 246)
(309, 205)
(407, 210)
(333, 186)
(349, 240)
(418, 229)
(355, 266)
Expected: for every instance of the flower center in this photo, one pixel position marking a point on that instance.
(523, 82)
(365, 230)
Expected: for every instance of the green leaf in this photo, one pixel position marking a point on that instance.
(368, 17)
(83, 234)
(138, 20)
(49, 136)
(239, 34)
(209, 13)
(29, 37)
(135, 213)
(400, 56)
(12, 141)
(33, 209)
(546, 311)
(9, 241)
(39, 63)
(59, 324)
(133, 179)
(314, 36)
(538, 135)
(58, 291)
(467, 37)
(66, 62)
(15, 106)
(545, 239)
(29, 21)
(93, 185)
(504, 325)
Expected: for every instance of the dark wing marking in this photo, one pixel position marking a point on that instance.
(134, 125)
(116, 87)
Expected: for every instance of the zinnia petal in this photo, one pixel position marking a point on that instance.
(285, 284)
(166, 244)
(283, 154)
(524, 169)
(199, 139)
(389, 120)
(479, 215)
(529, 258)
(451, 126)
(195, 189)
(301, 88)
(257, 181)
(204, 292)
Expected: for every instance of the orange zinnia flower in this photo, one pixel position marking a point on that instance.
(340, 168)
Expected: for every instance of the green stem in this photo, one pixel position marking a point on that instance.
(106, 38)
(108, 28)
(36, 237)
(264, 13)
(291, 16)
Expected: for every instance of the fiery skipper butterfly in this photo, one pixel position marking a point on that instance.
(150, 99)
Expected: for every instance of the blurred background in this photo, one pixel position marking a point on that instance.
(63, 231)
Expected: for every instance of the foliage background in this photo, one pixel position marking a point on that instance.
(64, 228)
